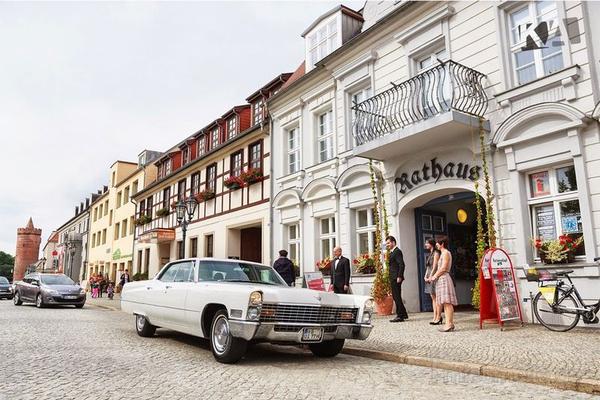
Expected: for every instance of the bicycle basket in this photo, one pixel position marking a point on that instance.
(537, 275)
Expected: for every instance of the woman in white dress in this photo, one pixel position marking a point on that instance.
(444, 286)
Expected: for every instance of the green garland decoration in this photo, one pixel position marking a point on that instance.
(381, 285)
(489, 196)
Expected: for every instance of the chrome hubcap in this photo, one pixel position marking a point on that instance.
(39, 300)
(140, 322)
(221, 335)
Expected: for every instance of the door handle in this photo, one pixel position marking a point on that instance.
(148, 287)
(168, 287)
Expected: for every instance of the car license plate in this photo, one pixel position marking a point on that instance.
(70, 297)
(312, 334)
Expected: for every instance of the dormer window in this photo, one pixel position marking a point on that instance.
(201, 145)
(231, 127)
(257, 111)
(168, 167)
(214, 138)
(186, 155)
(322, 42)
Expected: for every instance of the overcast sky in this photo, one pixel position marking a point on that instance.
(85, 84)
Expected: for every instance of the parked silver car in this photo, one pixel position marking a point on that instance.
(6, 289)
(49, 289)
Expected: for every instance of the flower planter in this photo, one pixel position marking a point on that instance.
(233, 186)
(204, 195)
(251, 176)
(143, 220)
(163, 212)
(385, 306)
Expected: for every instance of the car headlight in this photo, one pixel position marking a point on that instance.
(255, 298)
(82, 291)
(253, 313)
(52, 292)
(369, 305)
(368, 311)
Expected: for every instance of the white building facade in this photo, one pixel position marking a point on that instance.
(420, 75)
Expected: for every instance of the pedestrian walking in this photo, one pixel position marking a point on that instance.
(340, 272)
(110, 290)
(431, 267)
(124, 279)
(444, 286)
(285, 267)
(396, 269)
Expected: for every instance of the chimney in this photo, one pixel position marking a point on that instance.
(105, 189)
(76, 210)
(87, 203)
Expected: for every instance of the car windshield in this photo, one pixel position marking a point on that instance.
(238, 272)
(56, 280)
(3, 280)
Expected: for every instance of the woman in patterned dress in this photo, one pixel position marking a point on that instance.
(444, 286)
(431, 266)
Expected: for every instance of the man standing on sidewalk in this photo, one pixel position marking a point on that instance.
(285, 267)
(340, 272)
(396, 277)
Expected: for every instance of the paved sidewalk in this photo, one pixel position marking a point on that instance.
(561, 359)
(105, 302)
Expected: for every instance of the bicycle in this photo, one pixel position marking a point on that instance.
(559, 306)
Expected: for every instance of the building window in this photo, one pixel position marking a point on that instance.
(141, 208)
(211, 177)
(357, 98)
(149, 206)
(180, 254)
(236, 163)
(131, 225)
(327, 237)
(201, 146)
(168, 166)
(365, 231)
(139, 261)
(293, 237)
(93, 240)
(214, 138)
(430, 59)
(209, 246)
(106, 207)
(117, 230)
(98, 238)
(186, 155)
(322, 42)
(255, 156)
(293, 160)
(231, 127)
(126, 195)
(554, 203)
(194, 247)
(124, 228)
(119, 199)
(181, 189)
(166, 197)
(257, 111)
(110, 218)
(325, 136)
(95, 213)
(134, 187)
(532, 64)
(104, 236)
(195, 183)
(146, 260)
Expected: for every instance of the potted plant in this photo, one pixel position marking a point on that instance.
(233, 182)
(204, 195)
(252, 175)
(558, 251)
(324, 265)
(364, 264)
(296, 268)
(173, 205)
(143, 219)
(163, 212)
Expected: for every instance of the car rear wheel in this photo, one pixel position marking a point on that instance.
(142, 326)
(79, 305)
(39, 302)
(17, 299)
(225, 348)
(330, 348)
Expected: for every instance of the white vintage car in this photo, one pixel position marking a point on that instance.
(233, 302)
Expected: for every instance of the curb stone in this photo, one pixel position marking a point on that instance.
(590, 386)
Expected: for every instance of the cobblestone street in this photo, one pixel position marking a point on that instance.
(66, 353)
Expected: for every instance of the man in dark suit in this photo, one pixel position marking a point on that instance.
(285, 267)
(396, 277)
(340, 272)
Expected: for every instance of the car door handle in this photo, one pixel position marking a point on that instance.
(168, 287)
(148, 287)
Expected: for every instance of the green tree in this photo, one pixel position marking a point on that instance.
(6, 259)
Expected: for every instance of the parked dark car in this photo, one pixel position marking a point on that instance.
(6, 290)
(49, 289)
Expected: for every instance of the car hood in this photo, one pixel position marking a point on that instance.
(309, 297)
(63, 288)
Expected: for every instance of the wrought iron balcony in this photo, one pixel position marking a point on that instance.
(447, 87)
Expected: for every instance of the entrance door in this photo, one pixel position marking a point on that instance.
(430, 225)
(251, 244)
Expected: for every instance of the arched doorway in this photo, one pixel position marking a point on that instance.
(446, 213)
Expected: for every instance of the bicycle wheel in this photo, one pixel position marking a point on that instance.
(555, 320)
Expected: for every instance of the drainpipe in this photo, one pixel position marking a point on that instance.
(272, 188)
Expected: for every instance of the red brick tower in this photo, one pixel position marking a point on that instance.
(28, 249)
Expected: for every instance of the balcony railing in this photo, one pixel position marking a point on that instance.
(448, 86)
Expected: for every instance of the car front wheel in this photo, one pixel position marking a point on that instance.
(143, 327)
(17, 299)
(225, 348)
(330, 348)
(39, 302)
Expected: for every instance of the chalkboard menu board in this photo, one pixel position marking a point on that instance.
(498, 285)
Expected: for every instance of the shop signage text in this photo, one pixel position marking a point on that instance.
(434, 171)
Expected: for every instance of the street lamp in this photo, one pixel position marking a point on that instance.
(181, 209)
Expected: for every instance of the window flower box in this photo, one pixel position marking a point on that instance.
(143, 220)
(324, 265)
(233, 183)
(163, 212)
(204, 195)
(252, 175)
(558, 251)
(364, 264)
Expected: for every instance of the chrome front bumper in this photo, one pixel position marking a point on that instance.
(284, 332)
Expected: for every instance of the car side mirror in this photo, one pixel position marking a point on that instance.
(35, 283)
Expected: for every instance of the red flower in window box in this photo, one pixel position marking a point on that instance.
(252, 175)
(233, 182)
(204, 195)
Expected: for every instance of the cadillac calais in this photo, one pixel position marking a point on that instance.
(233, 302)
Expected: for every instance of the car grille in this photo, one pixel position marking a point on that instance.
(296, 328)
(307, 314)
